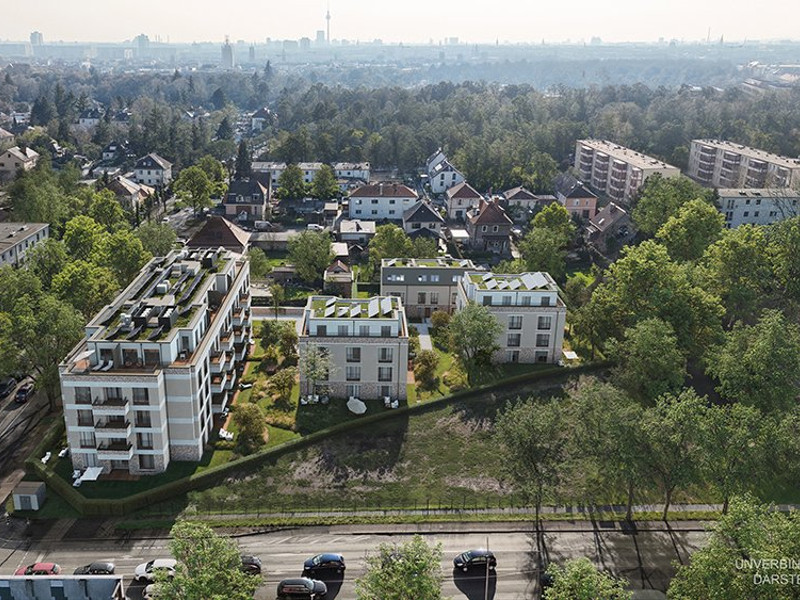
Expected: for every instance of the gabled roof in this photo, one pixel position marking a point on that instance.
(444, 166)
(5, 134)
(247, 188)
(421, 212)
(262, 113)
(345, 166)
(580, 191)
(338, 266)
(122, 186)
(384, 190)
(490, 213)
(463, 190)
(91, 113)
(115, 146)
(220, 232)
(153, 161)
(424, 232)
(519, 193)
(24, 154)
(309, 166)
(607, 216)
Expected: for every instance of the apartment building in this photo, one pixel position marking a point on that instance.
(423, 284)
(616, 171)
(17, 239)
(309, 170)
(723, 164)
(153, 170)
(742, 206)
(367, 341)
(140, 390)
(17, 159)
(344, 170)
(273, 169)
(528, 308)
(380, 201)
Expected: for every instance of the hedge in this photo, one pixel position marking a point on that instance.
(120, 507)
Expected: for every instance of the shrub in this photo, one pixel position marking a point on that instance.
(425, 365)
(455, 378)
(439, 321)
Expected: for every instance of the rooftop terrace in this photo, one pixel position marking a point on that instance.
(522, 282)
(441, 263)
(332, 307)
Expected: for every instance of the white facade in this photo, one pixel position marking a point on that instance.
(15, 159)
(723, 164)
(444, 176)
(528, 308)
(352, 171)
(17, 239)
(309, 170)
(275, 170)
(381, 201)
(153, 170)
(141, 388)
(758, 206)
(616, 171)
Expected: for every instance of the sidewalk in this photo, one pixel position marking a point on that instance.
(425, 342)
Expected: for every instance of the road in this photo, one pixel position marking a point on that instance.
(16, 420)
(645, 558)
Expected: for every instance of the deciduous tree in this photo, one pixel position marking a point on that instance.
(310, 253)
(401, 571)
(660, 198)
(290, 184)
(472, 336)
(686, 234)
(194, 187)
(324, 186)
(157, 238)
(580, 579)
(259, 265)
(252, 424)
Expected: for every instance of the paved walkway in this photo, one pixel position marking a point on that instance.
(424, 336)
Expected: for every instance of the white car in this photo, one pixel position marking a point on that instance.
(150, 592)
(147, 571)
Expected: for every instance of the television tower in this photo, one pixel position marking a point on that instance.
(328, 19)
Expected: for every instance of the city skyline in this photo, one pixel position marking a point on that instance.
(413, 22)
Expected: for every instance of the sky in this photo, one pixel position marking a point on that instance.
(407, 21)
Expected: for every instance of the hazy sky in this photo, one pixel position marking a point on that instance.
(410, 21)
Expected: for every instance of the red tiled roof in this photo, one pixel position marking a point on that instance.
(220, 232)
(490, 213)
(462, 190)
(384, 190)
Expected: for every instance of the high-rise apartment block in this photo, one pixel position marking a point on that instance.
(723, 164)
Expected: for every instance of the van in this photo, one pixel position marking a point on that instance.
(315, 227)
(302, 588)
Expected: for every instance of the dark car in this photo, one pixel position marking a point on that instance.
(475, 559)
(251, 564)
(307, 589)
(325, 562)
(96, 568)
(7, 386)
(24, 393)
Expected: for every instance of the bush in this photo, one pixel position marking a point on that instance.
(455, 378)
(425, 367)
(439, 321)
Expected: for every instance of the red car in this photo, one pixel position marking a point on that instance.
(39, 569)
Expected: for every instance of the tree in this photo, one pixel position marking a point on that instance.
(579, 579)
(310, 253)
(402, 571)
(724, 567)
(734, 439)
(290, 184)
(218, 99)
(85, 286)
(123, 253)
(649, 361)
(106, 210)
(746, 374)
(244, 166)
(672, 434)
(194, 187)
(532, 440)
(542, 249)
(47, 260)
(389, 241)
(225, 129)
(216, 173)
(688, 233)
(660, 198)
(440, 319)
(259, 265)
(157, 238)
(425, 364)
(282, 384)
(316, 365)
(784, 240)
(36, 198)
(278, 294)
(472, 336)
(81, 236)
(557, 219)
(209, 566)
(324, 186)
(287, 340)
(252, 424)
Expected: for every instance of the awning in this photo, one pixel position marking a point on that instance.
(85, 354)
(92, 473)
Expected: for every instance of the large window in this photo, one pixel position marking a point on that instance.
(87, 439)
(147, 462)
(354, 390)
(143, 419)
(514, 339)
(83, 395)
(515, 322)
(353, 373)
(386, 331)
(421, 298)
(363, 330)
(542, 340)
(434, 297)
(85, 418)
(545, 300)
(141, 396)
(506, 300)
(544, 322)
(354, 354)
(384, 373)
(144, 441)
(342, 330)
(386, 355)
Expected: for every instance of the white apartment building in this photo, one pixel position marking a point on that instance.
(380, 201)
(616, 171)
(528, 307)
(275, 170)
(723, 164)
(744, 206)
(352, 171)
(367, 341)
(153, 170)
(444, 176)
(423, 284)
(310, 170)
(140, 390)
(16, 240)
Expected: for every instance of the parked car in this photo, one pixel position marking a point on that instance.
(474, 559)
(147, 571)
(307, 589)
(325, 562)
(7, 386)
(251, 564)
(315, 227)
(24, 393)
(96, 568)
(39, 569)
(150, 592)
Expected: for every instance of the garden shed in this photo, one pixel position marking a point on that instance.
(29, 495)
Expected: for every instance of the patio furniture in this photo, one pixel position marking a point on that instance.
(356, 406)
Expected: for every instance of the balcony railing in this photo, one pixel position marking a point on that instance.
(111, 401)
(110, 425)
(122, 450)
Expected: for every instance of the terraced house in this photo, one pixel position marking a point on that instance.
(140, 390)
(527, 306)
(367, 341)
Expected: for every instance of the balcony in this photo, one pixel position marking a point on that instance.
(226, 341)
(112, 429)
(218, 360)
(219, 402)
(115, 405)
(230, 381)
(119, 450)
(239, 335)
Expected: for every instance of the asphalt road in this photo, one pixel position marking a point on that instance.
(645, 558)
(17, 419)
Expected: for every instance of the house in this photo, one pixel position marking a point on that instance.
(218, 232)
(114, 151)
(610, 223)
(348, 171)
(459, 199)
(16, 158)
(444, 176)
(367, 341)
(338, 280)
(330, 211)
(275, 170)
(434, 159)
(283, 274)
(528, 308)
(5, 136)
(579, 201)
(90, 118)
(423, 285)
(309, 170)
(272, 240)
(142, 388)
(356, 231)
(379, 201)
(129, 193)
(489, 228)
(520, 203)
(422, 216)
(747, 206)
(17, 239)
(195, 115)
(246, 200)
(261, 119)
(153, 170)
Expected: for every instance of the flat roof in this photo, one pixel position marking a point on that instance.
(776, 159)
(758, 193)
(333, 307)
(439, 263)
(524, 282)
(632, 157)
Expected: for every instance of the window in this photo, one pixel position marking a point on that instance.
(526, 301)
(392, 201)
(322, 330)
(434, 279)
(354, 354)
(746, 213)
(487, 300)
(755, 214)
(421, 298)
(542, 340)
(515, 322)
(147, 462)
(87, 439)
(83, 395)
(374, 200)
(495, 228)
(545, 300)
(512, 356)
(386, 355)
(434, 297)
(483, 228)
(144, 441)
(353, 373)
(416, 226)
(544, 323)
(386, 390)
(141, 396)
(143, 419)
(386, 331)
(514, 339)
(384, 373)
(342, 330)
(85, 418)
(374, 211)
(354, 391)
(363, 330)
(506, 300)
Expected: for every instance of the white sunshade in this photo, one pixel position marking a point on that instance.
(92, 473)
(85, 354)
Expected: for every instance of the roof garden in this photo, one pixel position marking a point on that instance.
(523, 282)
(440, 262)
(332, 307)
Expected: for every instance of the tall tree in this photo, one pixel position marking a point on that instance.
(47, 260)
(316, 365)
(81, 237)
(691, 230)
(85, 286)
(784, 240)
(389, 241)
(310, 253)
(557, 219)
(259, 265)
(579, 579)
(225, 129)
(472, 336)
(244, 165)
(401, 571)
(194, 187)
(157, 238)
(123, 253)
(542, 249)
(106, 210)
(252, 424)
(290, 184)
(324, 186)
(660, 198)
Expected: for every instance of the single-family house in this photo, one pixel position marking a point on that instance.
(459, 199)
(153, 170)
(246, 200)
(422, 216)
(579, 201)
(16, 159)
(489, 228)
(380, 201)
(609, 229)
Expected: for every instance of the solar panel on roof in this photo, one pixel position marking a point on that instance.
(491, 285)
(329, 311)
(355, 311)
(539, 280)
(515, 283)
(330, 301)
(528, 281)
(503, 284)
(386, 305)
(463, 263)
(487, 276)
(373, 308)
(342, 311)
(391, 262)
